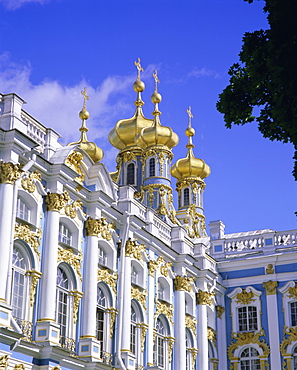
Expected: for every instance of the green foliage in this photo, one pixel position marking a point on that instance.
(266, 77)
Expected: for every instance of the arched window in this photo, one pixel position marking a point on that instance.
(189, 347)
(101, 318)
(160, 355)
(131, 174)
(65, 235)
(186, 196)
(293, 310)
(152, 167)
(249, 359)
(133, 331)
(19, 284)
(23, 210)
(295, 359)
(102, 256)
(247, 318)
(62, 304)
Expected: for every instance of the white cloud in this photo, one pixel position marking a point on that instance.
(203, 72)
(15, 4)
(57, 106)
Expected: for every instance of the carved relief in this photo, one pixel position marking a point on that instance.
(29, 179)
(3, 362)
(152, 265)
(19, 367)
(191, 323)
(70, 209)
(76, 299)
(134, 250)
(290, 336)
(195, 223)
(240, 339)
(107, 277)
(292, 292)
(270, 269)
(9, 172)
(164, 268)
(204, 297)
(170, 341)
(74, 260)
(183, 283)
(112, 316)
(212, 336)
(74, 161)
(143, 328)
(56, 202)
(139, 295)
(245, 297)
(99, 227)
(270, 287)
(220, 310)
(24, 233)
(35, 276)
(165, 309)
(128, 156)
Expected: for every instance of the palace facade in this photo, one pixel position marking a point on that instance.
(100, 270)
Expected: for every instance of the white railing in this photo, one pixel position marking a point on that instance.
(164, 231)
(34, 129)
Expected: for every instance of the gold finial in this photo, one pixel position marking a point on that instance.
(190, 131)
(189, 111)
(84, 114)
(157, 81)
(139, 68)
(86, 97)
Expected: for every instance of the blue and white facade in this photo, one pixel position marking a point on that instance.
(100, 272)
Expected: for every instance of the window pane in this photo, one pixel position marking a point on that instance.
(186, 197)
(23, 211)
(131, 174)
(294, 313)
(152, 166)
(65, 234)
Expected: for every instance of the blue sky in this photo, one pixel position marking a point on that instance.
(51, 49)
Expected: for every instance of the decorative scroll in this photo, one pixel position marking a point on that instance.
(108, 278)
(24, 233)
(9, 172)
(220, 310)
(164, 268)
(194, 352)
(99, 227)
(143, 328)
(204, 297)
(170, 341)
(76, 299)
(183, 283)
(29, 179)
(240, 339)
(128, 156)
(245, 297)
(3, 362)
(290, 336)
(35, 276)
(165, 309)
(191, 323)
(139, 295)
(19, 367)
(56, 202)
(292, 292)
(112, 316)
(134, 250)
(212, 335)
(152, 265)
(74, 260)
(74, 161)
(70, 209)
(270, 287)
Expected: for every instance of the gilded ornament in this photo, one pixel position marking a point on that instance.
(164, 268)
(35, 276)
(170, 341)
(193, 352)
(215, 363)
(191, 323)
(71, 209)
(165, 309)
(19, 367)
(74, 260)
(112, 316)
(290, 336)
(245, 297)
(212, 335)
(9, 172)
(74, 161)
(56, 202)
(76, 299)
(150, 196)
(128, 156)
(143, 328)
(292, 292)
(183, 283)
(240, 339)
(108, 278)
(29, 180)
(152, 265)
(270, 269)
(204, 297)
(134, 250)
(99, 227)
(270, 287)
(139, 295)
(195, 223)
(3, 362)
(32, 238)
(220, 310)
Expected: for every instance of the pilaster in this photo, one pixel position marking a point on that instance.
(203, 299)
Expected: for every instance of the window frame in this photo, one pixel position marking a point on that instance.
(129, 174)
(152, 167)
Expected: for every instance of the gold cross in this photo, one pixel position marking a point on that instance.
(157, 81)
(84, 93)
(139, 68)
(189, 111)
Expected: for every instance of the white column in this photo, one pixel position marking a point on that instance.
(89, 300)
(6, 201)
(272, 314)
(150, 312)
(127, 307)
(221, 333)
(203, 297)
(180, 329)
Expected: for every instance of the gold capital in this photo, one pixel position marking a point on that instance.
(56, 202)
(183, 283)
(270, 287)
(204, 297)
(9, 172)
(220, 310)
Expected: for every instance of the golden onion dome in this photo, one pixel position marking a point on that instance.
(90, 148)
(190, 167)
(157, 135)
(124, 133)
